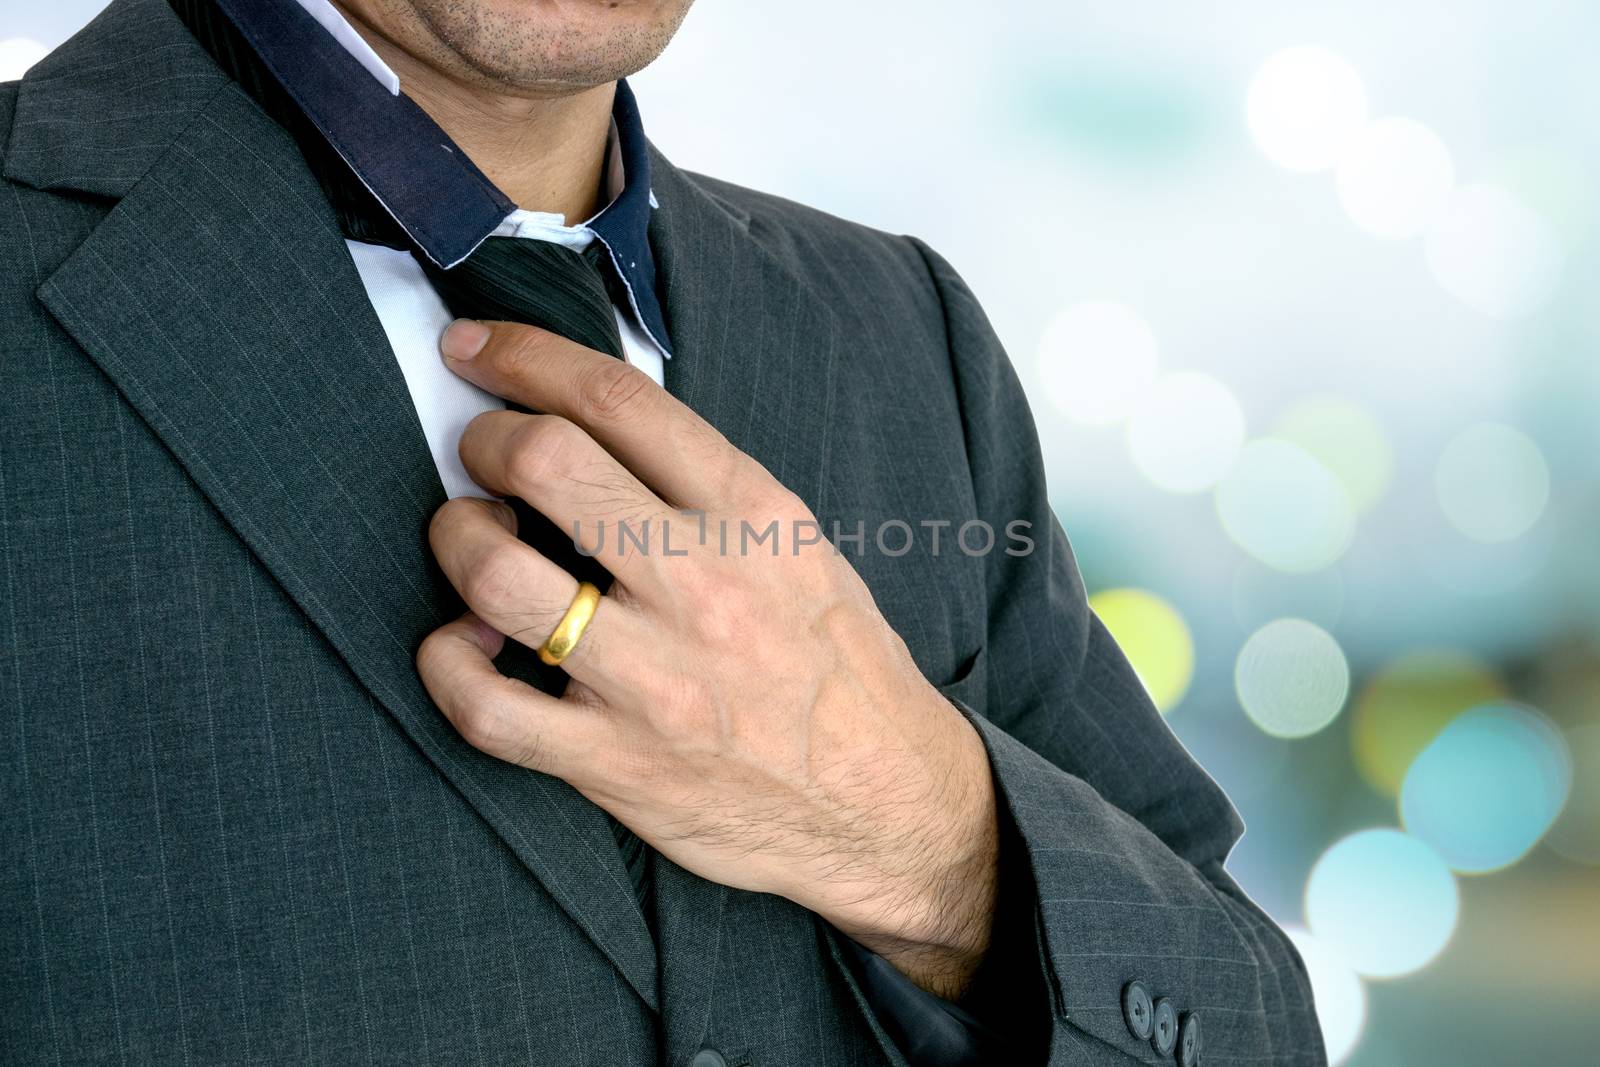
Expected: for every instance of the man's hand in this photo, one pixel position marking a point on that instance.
(748, 712)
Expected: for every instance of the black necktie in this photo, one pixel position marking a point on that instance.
(519, 279)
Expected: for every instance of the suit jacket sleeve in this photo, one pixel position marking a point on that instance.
(1124, 835)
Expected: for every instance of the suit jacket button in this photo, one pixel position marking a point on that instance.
(708, 1057)
(1137, 1010)
(1189, 1040)
(1164, 1033)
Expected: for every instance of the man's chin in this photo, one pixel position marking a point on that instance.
(540, 47)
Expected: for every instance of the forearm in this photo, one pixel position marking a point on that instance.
(933, 921)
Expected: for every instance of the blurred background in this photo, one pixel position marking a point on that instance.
(1299, 294)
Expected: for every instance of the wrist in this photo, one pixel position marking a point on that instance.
(935, 920)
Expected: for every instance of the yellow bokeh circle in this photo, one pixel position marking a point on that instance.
(1155, 639)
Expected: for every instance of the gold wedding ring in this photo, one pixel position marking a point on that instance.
(572, 624)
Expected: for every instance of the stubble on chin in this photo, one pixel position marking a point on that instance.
(537, 48)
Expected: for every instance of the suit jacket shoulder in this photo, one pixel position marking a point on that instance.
(788, 219)
(855, 267)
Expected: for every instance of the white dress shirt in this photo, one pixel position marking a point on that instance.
(414, 317)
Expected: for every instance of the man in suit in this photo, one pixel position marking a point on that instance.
(436, 630)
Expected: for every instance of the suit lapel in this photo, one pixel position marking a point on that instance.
(220, 298)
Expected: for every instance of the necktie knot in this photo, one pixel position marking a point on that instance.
(543, 284)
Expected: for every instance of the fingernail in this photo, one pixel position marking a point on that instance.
(463, 339)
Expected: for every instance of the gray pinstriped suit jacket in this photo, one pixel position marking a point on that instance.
(234, 828)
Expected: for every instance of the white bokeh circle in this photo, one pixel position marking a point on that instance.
(1340, 996)
(1395, 178)
(1096, 359)
(1493, 253)
(1186, 432)
(1305, 106)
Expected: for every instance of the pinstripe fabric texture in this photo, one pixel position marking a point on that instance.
(236, 830)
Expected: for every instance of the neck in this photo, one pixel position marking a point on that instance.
(547, 153)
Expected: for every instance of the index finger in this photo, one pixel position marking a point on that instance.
(657, 437)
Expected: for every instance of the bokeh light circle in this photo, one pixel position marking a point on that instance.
(1339, 993)
(1304, 107)
(1096, 359)
(1576, 834)
(17, 54)
(1487, 788)
(1186, 432)
(1493, 253)
(1292, 678)
(1405, 706)
(1385, 899)
(1395, 177)
(1347, 439)
(1283, 506)
(1492, 482)
(1154, 637)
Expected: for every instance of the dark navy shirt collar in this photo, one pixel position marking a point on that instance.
(437, 195)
